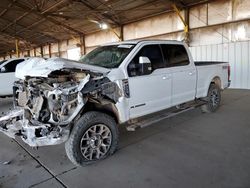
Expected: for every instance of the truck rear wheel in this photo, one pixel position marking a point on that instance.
(214, 99)
(94, 137)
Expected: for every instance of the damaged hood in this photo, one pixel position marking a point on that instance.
(40, 67)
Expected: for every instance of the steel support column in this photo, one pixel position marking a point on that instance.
(17, 47)
(41, 50)
(118, 35)
(185, 21)
(59, 49)
(83, 45)
(50, 54)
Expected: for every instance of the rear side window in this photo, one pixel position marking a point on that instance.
(175, 55)
(11, 66)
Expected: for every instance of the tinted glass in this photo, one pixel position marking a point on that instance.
(107, 56)
(153, 52)
(11, 66)
(175, 55)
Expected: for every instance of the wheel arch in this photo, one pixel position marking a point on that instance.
(215, 80)
(107, 108)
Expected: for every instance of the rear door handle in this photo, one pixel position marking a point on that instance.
(166, 77)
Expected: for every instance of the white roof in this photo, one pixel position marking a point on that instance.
(138, 41)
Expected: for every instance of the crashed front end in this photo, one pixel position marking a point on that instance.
(46, 107)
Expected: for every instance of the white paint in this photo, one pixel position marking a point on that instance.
(183, 83)
(151, 93)
(7, 78)
(166, 87)
(6, 83)
(39, 67)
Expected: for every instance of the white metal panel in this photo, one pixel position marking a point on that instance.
(237, 64)
(183, 84)
(192, 50)
(248, 79)
(6, 83)
(203, 52)
(144, 98)
(225, 52)
(220, 52)
(244, 65)
(209, 52)
(214, 52)
(231, 60)
(198, 53)
(236, 53)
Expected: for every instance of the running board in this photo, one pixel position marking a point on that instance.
(161, 116)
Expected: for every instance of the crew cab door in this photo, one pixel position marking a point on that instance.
(151, 92)
(7, 76)
(183, 73)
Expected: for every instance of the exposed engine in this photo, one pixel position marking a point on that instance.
(52, 99)
(46, 106)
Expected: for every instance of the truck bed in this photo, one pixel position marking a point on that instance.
(209, 70)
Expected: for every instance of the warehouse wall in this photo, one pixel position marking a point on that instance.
(218, 30)
(226, 39)
(237, 53)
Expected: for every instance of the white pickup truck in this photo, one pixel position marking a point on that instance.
(128, 83)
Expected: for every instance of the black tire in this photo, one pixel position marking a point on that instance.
(213, 98)
(84, 147)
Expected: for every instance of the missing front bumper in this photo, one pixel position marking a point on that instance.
(13, 124)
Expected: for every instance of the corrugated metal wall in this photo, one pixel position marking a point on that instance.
(236, 53)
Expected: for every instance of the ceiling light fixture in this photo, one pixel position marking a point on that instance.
(103, 26)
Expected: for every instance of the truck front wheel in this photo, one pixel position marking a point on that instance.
(94, 137)
(213, 99)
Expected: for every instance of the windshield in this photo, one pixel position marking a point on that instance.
(107, 56)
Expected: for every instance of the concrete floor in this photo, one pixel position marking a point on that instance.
(189, 150)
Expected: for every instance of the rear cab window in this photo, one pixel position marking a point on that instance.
(175, 55)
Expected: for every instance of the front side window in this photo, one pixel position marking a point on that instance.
(175, 55)
(153, 53)
(107, 56)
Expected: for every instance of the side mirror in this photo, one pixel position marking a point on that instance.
(3, 69)
(145, 65)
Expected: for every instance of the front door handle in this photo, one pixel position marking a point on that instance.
(191, 73)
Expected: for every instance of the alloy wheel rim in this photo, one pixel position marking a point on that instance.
(96, 142)
(214, 98)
